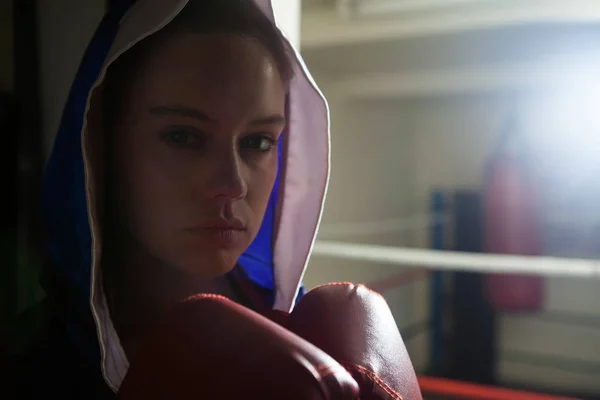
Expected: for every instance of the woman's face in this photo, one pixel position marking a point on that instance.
(196, 150)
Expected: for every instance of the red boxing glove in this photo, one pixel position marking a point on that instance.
(209, 347)
(354, 325)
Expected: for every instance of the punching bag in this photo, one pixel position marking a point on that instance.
(512, 222)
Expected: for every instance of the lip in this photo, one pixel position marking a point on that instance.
(220, 225)
(220, 228)
(221, 233)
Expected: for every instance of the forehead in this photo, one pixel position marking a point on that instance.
(222, 74)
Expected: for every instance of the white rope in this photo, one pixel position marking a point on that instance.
(460, 261)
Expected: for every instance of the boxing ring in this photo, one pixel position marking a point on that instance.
(462, 261)
(337, 241)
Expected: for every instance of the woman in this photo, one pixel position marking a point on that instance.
(192, 157)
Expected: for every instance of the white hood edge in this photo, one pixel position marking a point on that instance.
(303, 180)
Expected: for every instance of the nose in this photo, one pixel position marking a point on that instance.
(227, 181)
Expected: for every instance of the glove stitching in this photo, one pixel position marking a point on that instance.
(201, 296)
(373, 377)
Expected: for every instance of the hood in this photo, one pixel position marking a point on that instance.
(277, 258)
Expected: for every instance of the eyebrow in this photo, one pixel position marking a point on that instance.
(180, 111)
(188, 112)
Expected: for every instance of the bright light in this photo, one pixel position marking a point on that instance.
(563, 125)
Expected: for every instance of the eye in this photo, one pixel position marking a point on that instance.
(261, 143)
(181, 137)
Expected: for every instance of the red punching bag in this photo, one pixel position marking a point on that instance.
(512, 223)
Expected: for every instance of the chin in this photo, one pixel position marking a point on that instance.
(208, 265)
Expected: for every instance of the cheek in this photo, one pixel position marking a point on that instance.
(151, 189)
(260, 185)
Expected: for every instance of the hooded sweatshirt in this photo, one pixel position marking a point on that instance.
(81, 356)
